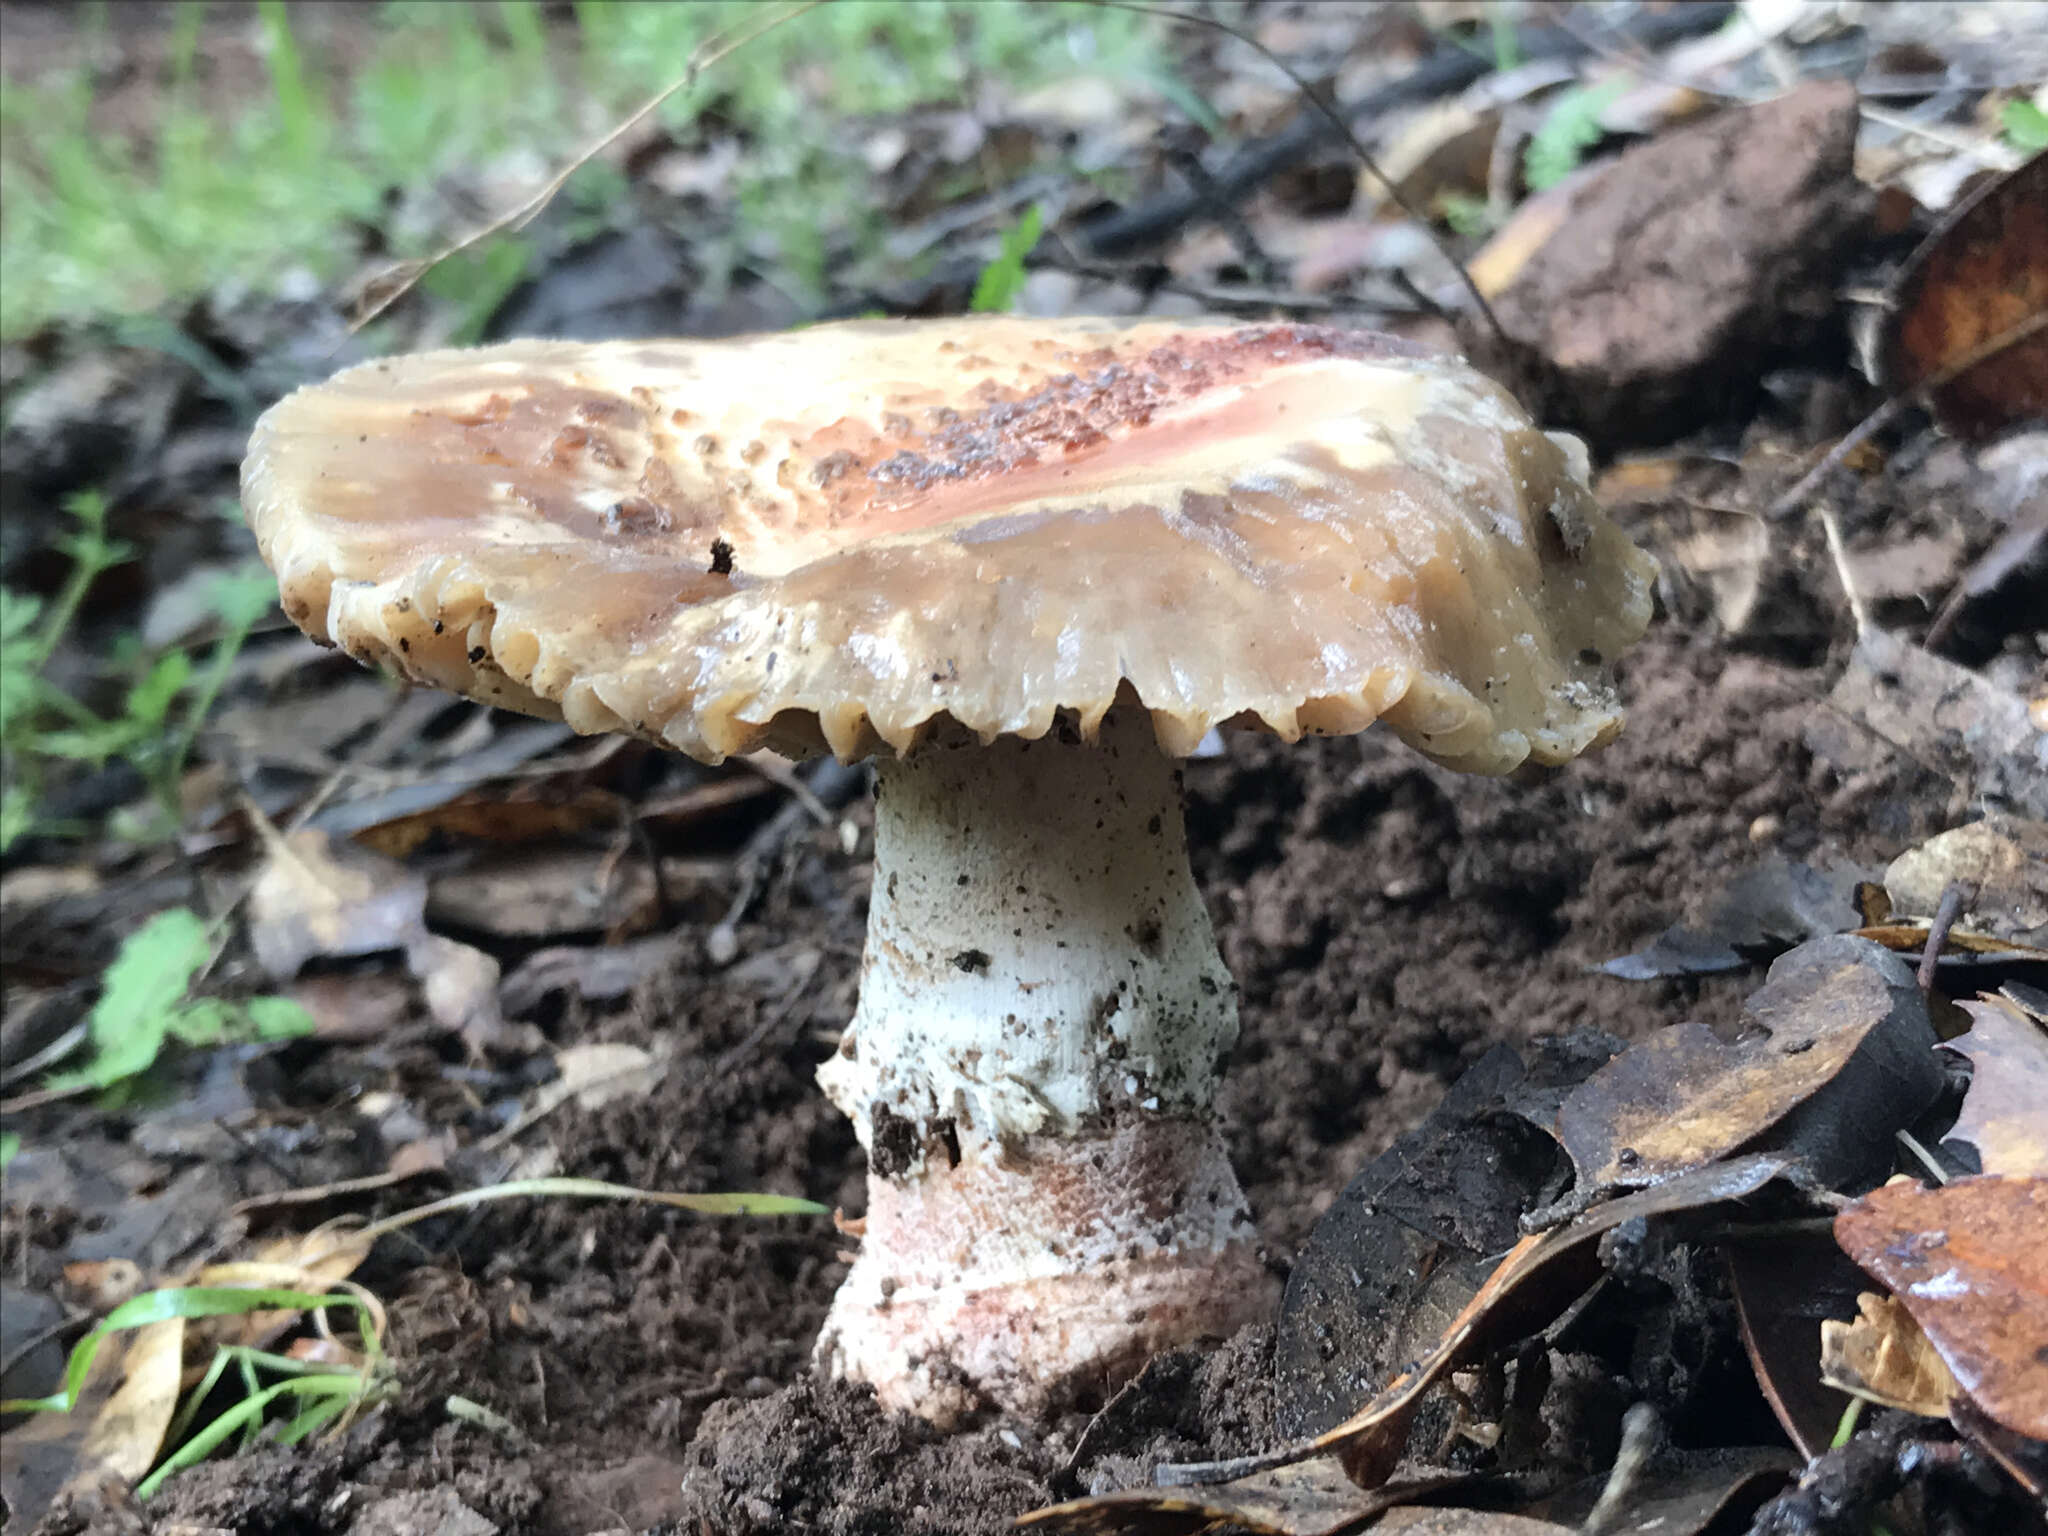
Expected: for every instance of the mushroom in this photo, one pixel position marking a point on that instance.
(1026, 566)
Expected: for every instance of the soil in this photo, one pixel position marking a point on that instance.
(1388, 921)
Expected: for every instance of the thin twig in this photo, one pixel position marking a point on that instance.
(1335, 119)
(1839, 553)
(1945, 914)
(1791, 500)
(1642, 1436)
(707, 53)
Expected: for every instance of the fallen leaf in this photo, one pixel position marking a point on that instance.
(318, 897)
(2003, 860)
(1537, 1279)
(1310, 1498)
(1729, 554)
(2002, 1114)
(1969, 1261)
(128, 1431)
(1924, 568)
(321, 897)
(526, 814)
(1974, 298)
(1841, 1058)
(1528, 229)
(549, 893)
(1883, 1356)
(1413, 1235)
(595, 973)
(313, 1261)
(1911, 939)
(2021, 1455)
(39, 1456)
(598, 1074)
(1679, 1492)
(353, 1009)
(1779, 903)
(460, 983)
(1942, 717)
(1785, 1285)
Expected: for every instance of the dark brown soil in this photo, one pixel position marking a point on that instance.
(1388, 921)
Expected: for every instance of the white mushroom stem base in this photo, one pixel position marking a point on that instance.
(1030, 1069)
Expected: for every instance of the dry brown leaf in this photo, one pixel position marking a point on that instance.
(320, 897)
(1728, 553)
(1527, 230)
(1969, 1261)
(315, 1261)
(2003, 1114)
(128, 1431)
(1974, 297)
(1883, 1356)
(104, 1429)
(2004, 861)
(1537, 1279)
(1781, 1282)
(1911, 939)
(1845, 1055)
(1939, 716)
(537, 815)
(1310, 1498)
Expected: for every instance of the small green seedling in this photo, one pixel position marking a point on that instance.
(1570, 129)
(43, 728)
(146, 1001)
(2026, 126)
(318, 1394)
(1002, 280)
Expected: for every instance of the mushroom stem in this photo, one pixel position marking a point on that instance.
(1030, 1069)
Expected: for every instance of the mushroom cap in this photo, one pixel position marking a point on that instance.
(845, 536)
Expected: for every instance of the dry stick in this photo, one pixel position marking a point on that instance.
(1839, 553)
(1209, 192)
(1642, 1436)
(1790, 501)
(1945, 914)
(1447, 70)
(706, 54)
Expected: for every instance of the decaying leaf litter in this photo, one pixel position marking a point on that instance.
(1389, 924)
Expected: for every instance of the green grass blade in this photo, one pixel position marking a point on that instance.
(246, 1414)
(160, 1306)
(597, 1189)
(1003, 279)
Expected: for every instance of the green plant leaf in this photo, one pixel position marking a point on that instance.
(2026, 126)
(241, 597)
(278, 1018)
(150, 700)
(10, 1145)
(162, 1305)
(1003, 279)
(1571, 127)
(247, 1414)
(143, 988)
(202, 1022)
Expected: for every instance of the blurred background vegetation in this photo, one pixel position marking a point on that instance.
(280, 146)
